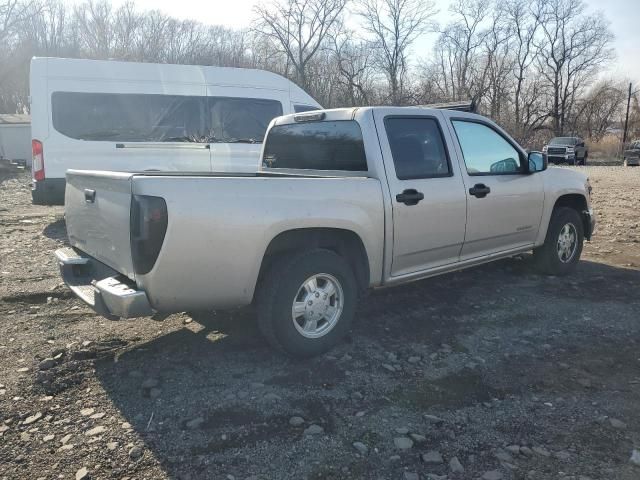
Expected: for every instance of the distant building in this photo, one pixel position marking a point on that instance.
(15, 138)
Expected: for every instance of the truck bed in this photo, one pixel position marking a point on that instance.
(219, 226)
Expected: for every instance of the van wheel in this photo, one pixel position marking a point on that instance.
(563, 243)
(306, 302)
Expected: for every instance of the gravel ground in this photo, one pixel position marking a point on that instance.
(491, 373)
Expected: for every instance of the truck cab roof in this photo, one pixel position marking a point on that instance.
(337, 114)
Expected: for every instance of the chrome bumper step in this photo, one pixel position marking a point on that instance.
(106, 291)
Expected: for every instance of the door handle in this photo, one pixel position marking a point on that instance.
(89, 195)
(479, 190)
(410, 197)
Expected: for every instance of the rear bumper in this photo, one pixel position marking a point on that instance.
(49, 191)
(109, 293)
(589, 221)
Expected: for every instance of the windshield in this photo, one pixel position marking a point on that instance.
(563, 141)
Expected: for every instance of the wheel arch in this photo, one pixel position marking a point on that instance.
(345, 243)
(576, 201)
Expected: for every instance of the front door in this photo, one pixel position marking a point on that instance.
(504, 206)
(429, 204)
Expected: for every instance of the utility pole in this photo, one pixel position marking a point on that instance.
(626, 120)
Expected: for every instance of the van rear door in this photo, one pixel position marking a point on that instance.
(97, 209)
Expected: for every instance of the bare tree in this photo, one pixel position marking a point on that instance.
(599, 109)
(355, 71)
(12, 14)
(498, 64)
(94, 21)
(570, 50)
(529, 64)
(299, 29)
(458, 52)
(394, 25)
(528, 113)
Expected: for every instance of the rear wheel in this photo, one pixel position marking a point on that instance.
(306, 302)
(563, 244)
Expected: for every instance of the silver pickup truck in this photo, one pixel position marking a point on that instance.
(346, 200)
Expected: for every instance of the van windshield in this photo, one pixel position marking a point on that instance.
(119, 117)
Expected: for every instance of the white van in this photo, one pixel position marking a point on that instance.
(107, 115)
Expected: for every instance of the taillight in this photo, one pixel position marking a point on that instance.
(37, 166)
(148, 226)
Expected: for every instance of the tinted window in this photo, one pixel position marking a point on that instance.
(161, 118)
(240, 119)
(304, 108)
(485, 150)
(316, 146)
(563, 141)
(417, 148)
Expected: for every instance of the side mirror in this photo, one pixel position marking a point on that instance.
(537, 161)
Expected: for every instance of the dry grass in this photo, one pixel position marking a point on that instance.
(609, 148)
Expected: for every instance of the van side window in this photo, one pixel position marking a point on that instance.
(417, 148)
(485, 151)
(327, 145)
(136, 117)
(304, 108)
(241, 119)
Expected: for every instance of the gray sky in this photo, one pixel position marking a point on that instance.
(624, 16)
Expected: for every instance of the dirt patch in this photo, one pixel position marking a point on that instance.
(469, 364)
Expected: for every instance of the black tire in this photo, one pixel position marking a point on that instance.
(583, 160)
(278, 290)
(547, 257)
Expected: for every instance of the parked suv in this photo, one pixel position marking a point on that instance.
(571, 150)
(632, 154)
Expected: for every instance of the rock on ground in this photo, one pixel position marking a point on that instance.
(403, 443)
(493, 475)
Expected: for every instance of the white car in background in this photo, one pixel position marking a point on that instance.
(108, 115)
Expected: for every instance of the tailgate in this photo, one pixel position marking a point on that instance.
(97, 210)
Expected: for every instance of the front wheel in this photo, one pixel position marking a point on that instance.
(306, 302)
(563, 244)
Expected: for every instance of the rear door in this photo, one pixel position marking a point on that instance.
(237, 120)
(97, 211)
(428, 199)
(504, 204)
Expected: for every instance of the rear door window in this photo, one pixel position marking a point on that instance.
(417, 148)
(161, 118)
(335, 145)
